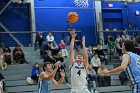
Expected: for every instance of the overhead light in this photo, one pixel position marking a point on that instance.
(137, 13)
(20, 1)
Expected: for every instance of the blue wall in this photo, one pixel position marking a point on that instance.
(15, 18)
(55, 19)
(132, 19)
(117, 17)
(49, 19)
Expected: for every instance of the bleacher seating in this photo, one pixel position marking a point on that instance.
(15, 76)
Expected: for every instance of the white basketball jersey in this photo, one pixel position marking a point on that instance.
(78, 76)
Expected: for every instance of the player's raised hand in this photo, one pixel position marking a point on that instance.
(62, 73)
(83, 41)
(57, 65)
(73, 35)
(105, 72)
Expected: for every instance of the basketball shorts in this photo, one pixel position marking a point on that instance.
(136, 88)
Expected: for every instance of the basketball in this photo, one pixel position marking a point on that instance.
(72, 17)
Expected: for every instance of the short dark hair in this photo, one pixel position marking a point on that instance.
(45, 64)
(129, 45)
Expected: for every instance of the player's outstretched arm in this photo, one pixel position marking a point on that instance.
(73, 35)
(124, 64)
(85, 53)
(58, 84)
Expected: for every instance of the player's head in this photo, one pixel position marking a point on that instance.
(47, 66)
(128, 46)
(79, 57)
(90, 67)
(36, 65)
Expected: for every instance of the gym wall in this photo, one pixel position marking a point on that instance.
(52, 15)
(15, 18)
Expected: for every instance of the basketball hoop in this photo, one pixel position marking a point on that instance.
(81, 3)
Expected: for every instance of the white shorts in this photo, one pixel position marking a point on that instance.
(85, 90)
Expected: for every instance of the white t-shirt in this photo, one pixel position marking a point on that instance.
(78, 76)
(95, 61)
(50, 38)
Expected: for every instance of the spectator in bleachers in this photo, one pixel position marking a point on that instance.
(103, 80)
(3, 65)
(49, 58)
(7, 55)
(62, 47)
(101, 54)
(111, 45)
(39, 41)
(125, 36)
(68, 36)
(44, 49)
(35, 72)
(95, 62)
(50, 37)
(119, 47)
(117, 39)
(18, 55)
(91, 78)
(54, 48)
(78, 43)
(90, 52)
(60, 58)
(2, 84)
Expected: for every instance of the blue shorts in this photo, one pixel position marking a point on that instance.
(136, 88)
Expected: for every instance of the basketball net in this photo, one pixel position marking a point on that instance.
(81, 3)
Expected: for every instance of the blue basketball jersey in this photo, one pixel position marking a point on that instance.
(44, 86)
(133, 69)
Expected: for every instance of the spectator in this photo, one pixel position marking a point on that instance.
(103, 80)
(91, 78)
(119, 47)
(68, 36)
(58, 57)
(101, 54)
(78, 43)
(63, 66)
(2, 63)
(95, 62)
(125, 36)
(35, 72)
(2, 84)
(111, 45)
(49, 58)
(39, 40)
(62, 47)
(50, 37)
(90, 52)
(54, 48)
(118, 39)
(44, 49)
(7, 55)
(18, 55)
